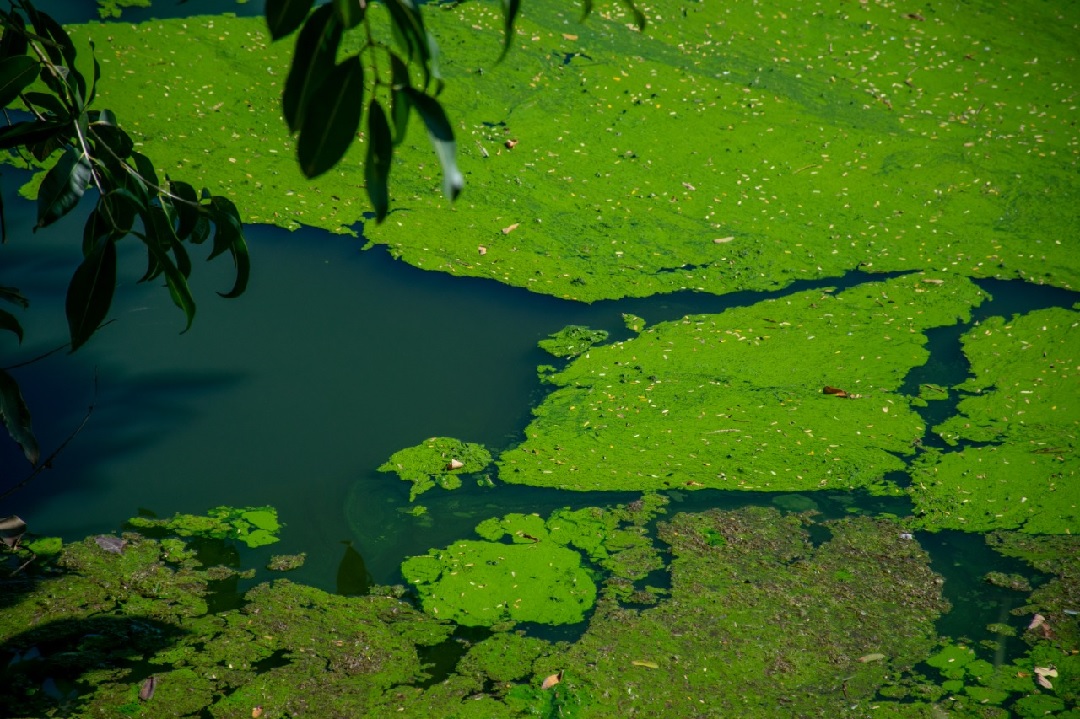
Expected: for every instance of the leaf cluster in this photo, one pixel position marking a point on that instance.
(324, 95)
(51, 121)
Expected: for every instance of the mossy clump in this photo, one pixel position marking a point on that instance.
(572, 341)
(757, 621)
(254, 526)
(437, 461)
(286, 562)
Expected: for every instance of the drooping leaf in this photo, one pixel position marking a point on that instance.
(90, 293)
(12, 295)
(511, 8)
(165, 234)
(16, 73)
(284, 16)
(399, 99)
(29, 132)
(97, 73)
(16, 417)
(61, 52)
(442, 139)
(48, 102)
(351, 12)
(186, 208)
(159, 240)
(313, 60)
(408, 29)
(143, 185)
(62, 187)
(229, 236)
(13, 41)
(380, 150)
(116, 142)
(9, 323)
(328, 134)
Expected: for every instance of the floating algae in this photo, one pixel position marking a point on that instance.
(529, 569)
(727, 148)
(736, 401)
(1023, 409)
(254, 526)
(572, 341)
(484, 583)
(439, 460)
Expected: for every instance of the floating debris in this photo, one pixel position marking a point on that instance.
(552, 680)
(11, 530)
(114, 545)
(146, 691)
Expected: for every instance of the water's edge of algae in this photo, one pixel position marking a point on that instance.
(760, 619)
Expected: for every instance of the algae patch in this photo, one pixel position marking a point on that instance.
(254, 526)
(437, 461)
(737, 401)
(530, 569)
(572, 341)
(1015, 464)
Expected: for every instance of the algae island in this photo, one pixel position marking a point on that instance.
(828, 519)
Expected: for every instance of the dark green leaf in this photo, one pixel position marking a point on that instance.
(13, 41)
(586, 9)
(16, 417)
(145, 184)
(165, 233)
(229, 235)
(116, 142)
(159, 240)
(186, 207)
(377, 165)
(97, 73)
(511, 8)
(9, 323)
(49, 103)
(90, 292)
(399, 99)
(16, 73)
(12, 295)
(442, 139)
(201, 230)
(408, 28)
(111, 219)
(62, 187)
(313, 60)
(60, 50)
(284, 16)
(351, 12)
(328, 134)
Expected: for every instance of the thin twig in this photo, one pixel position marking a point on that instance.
(53, 351)
(47, 463)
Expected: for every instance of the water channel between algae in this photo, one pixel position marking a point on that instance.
(933, 145)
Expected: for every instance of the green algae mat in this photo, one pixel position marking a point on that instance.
(731, 147)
